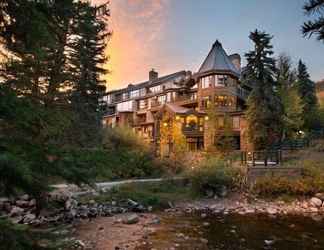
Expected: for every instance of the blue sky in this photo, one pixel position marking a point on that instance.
(171, 35)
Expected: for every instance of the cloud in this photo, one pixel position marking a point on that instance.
(138, 27)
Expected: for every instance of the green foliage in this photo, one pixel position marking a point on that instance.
(213, 173)
(316, 26)
(264, 113)
(127, 156)
(17, 237)
(307, 92)
(157, 195)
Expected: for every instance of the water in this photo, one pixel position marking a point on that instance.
(238, 232)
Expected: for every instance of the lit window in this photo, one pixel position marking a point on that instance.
(205, 103)
(236, 122)
(224, 101)
(162, 99)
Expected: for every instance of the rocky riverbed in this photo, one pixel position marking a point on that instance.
(187, 225)
(126, 224)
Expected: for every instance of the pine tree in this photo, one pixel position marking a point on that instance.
(306, 90)
(293, 118)
(87, 59)
(264, 113)
(314, 27)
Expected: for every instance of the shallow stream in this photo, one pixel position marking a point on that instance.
(237, 232)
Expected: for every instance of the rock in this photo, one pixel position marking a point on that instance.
(203, 215)
(209, 193)
(16, 211)
(269, 242)
(223, 192)
(320, 196)
(24, 197)
(206, 224)
(29, 218)
(316, 202)
(22, 203)
(32, 203)
(204, 241)
(70, 203)
(131, 219)
(271, 210)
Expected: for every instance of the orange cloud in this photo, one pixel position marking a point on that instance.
(138, 26)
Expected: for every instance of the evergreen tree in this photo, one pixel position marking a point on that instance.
(316, 26)
(264, 113)
(306, 90)
(87, 59)
(293, 118)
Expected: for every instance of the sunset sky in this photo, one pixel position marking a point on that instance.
(172, 35)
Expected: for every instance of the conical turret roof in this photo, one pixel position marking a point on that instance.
(218, 61)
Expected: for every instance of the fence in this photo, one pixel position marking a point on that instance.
(261, 158)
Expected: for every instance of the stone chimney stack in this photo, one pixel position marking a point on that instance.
(236, 60)
(153, 75)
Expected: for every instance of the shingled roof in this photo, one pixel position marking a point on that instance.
(218, 61)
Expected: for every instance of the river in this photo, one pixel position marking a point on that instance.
(236, 232)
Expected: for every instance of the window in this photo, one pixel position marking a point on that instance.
(142, 92)
(205, 103)
(125, 106)
(134, 93)
(156, 89)
(207, 82)
(142, 104)
(193, 96)
(125, 96)
(107, 99)
(162, 99)
(220, 122)
(224, 101)
(221, 80)
(236, 122)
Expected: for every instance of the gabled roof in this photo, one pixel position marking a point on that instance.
(218, 61)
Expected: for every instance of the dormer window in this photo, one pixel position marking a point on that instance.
(207, 82)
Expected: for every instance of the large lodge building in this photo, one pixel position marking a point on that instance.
(182, 101)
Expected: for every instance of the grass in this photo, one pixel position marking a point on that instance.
(157, 195)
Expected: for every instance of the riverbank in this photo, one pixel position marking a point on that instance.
(114, 233)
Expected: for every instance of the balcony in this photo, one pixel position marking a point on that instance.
(193, 130)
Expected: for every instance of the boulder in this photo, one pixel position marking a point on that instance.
(131, 219)
(316, 202)
(22, 203)
(24, 197)
(320, 196)
(16, 211)
(29, 218)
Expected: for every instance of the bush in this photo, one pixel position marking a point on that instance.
(127, 156)
(214, 174)
(276, 186)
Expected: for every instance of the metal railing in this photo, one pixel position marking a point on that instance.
(261, 158)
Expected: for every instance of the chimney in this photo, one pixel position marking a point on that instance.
(153, 75)
(236, 60)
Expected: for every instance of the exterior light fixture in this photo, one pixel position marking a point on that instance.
(177, 117)
(165, 124)
(206, 118)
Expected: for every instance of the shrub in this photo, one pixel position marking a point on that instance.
(276, 186)
(214, 174)
(127, 156)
